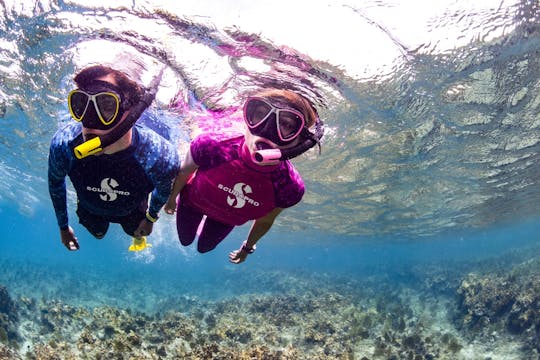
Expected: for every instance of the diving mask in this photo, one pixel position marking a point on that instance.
(279, 125)
(97, 105)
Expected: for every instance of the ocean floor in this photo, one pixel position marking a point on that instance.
(487, 310)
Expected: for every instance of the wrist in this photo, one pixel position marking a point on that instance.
(151, 217)
(245, 248)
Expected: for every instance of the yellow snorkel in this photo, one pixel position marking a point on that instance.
(97, 144)
(90, 147)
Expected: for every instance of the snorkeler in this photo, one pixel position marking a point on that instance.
(112, 164)
(247, 177)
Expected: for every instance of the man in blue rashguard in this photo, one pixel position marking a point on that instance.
(113, 183)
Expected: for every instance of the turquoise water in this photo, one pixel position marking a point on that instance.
(426, 184)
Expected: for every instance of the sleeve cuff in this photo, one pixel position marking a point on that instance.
(152, 218)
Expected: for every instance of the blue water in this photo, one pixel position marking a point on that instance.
(428, 172)
(176, 271)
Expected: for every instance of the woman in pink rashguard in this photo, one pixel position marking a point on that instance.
(244, 178)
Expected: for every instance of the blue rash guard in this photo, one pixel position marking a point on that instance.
(116, 184)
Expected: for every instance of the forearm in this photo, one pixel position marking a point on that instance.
(57, 191)
(256, 233)
(186, 171)
(59, 163)
(157, 200)
(162, 174)
(162, 194)
(179, 183)
(260, 227)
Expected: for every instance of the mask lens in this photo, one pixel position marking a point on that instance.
(256, 111)
(97, 110)
(78, 102)
(108, 105)
(290, 124)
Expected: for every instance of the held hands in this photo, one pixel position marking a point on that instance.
(170, 206)
(69, 239)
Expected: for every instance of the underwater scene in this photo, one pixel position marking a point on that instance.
(418, 234)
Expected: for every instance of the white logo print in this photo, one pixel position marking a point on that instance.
(239, 198)
(108, 186)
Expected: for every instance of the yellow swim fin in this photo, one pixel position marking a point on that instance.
(139, 244)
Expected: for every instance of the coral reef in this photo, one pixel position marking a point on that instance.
(508, 302)
(281, 315)
(8, 317)
(315, 325)
(8, 353)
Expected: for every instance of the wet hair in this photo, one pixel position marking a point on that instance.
(132, 92)
(287, 98)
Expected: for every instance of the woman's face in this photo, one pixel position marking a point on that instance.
(271, 124)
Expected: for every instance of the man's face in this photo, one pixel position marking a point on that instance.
(107, 104)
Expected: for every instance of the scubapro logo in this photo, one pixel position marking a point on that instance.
(239, 198)
(108, 187)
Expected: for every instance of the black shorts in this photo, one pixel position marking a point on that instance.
(98, 225)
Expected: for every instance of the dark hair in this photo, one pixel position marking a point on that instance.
(132, 92)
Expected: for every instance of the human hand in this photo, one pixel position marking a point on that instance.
(237, 256)
(69, 239)
(170, 206)
(145, 228)
(240, 255)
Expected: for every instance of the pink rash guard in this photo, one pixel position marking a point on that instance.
(230, 188)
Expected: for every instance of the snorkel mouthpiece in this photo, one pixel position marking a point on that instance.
(97, 144)
(267, 156)
(90, 147)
